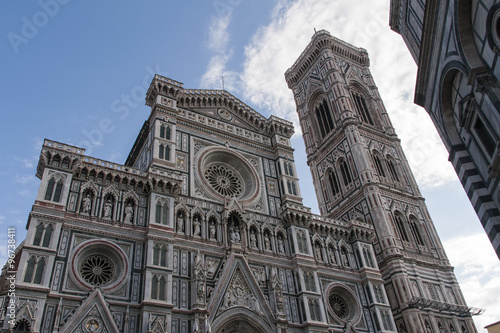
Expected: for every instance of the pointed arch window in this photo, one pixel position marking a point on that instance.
(288, 168)
(334, 184)
(346, 174)
(154, 287)
(324, 118)
(161, 213)
(164, 152)
(416, 232)
(378, 164)
(165, 132)
(401, 228)
(362, 108)
(43, 235)
(392, 169)
(54, 189)
(34, 270)
(302, 242)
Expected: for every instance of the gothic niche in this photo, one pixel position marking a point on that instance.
(87, 201)
(234, 228)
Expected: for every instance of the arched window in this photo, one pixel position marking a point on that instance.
(362, 108)
(392, 169)
(156, 254)
(39, 271)
(161, 213)
(165, 132)
(368, 257)
(415, 231)
(48, 234)
(38, 234)
(324, 118)
(400, 226)
(292, 189)
(301, 242)
(30, 267)
(161, 151)
(52, 195)
(346, 174)
(34, 270)
(161, 288)
(163, 256)
(154, 287)
(378, 164)
(334, 184)
(167, 152)
(288, 168)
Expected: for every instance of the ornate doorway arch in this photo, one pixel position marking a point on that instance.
(240, 320)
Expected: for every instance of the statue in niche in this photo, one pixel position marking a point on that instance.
(212, 231)
(180, 223)
(267, 242)
(107, 209)
(317, 248)
(87, 204)
(281, 245)
(345, 260)
(197, 227)
(331, 254)
(129, 213)
(253, 240)
(235, 235)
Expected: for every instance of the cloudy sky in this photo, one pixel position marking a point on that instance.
(68, 67)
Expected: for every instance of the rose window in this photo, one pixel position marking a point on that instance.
(224, 180)
(338, 306)
(97, 270)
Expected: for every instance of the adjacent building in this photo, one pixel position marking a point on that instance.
(203, 228)
(455, 45)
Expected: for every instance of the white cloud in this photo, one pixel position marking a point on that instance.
(364, 23)
(218, 41)
(477, 270)
(276, 46)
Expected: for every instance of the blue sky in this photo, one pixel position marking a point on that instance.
(69, 67)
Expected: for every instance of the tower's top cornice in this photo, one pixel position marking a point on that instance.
(324, 40)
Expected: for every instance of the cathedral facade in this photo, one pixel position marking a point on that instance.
(455, 45)
(203, 228)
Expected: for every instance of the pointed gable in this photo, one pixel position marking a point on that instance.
(238, 289)
(93, 313)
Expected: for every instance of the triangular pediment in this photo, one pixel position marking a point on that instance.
(222, 106)
(92, 313)
(238, 289)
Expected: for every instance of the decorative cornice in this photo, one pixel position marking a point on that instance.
(322, 40)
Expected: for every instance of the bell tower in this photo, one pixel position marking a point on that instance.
(360, 172)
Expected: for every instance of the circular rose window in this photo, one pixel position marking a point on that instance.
(99, 263)
(343, 304)
(224, 173)
(224, 180)
(97, 270)
(339, 306)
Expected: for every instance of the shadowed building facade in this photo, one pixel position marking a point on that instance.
(455, 45)
(203, 228)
